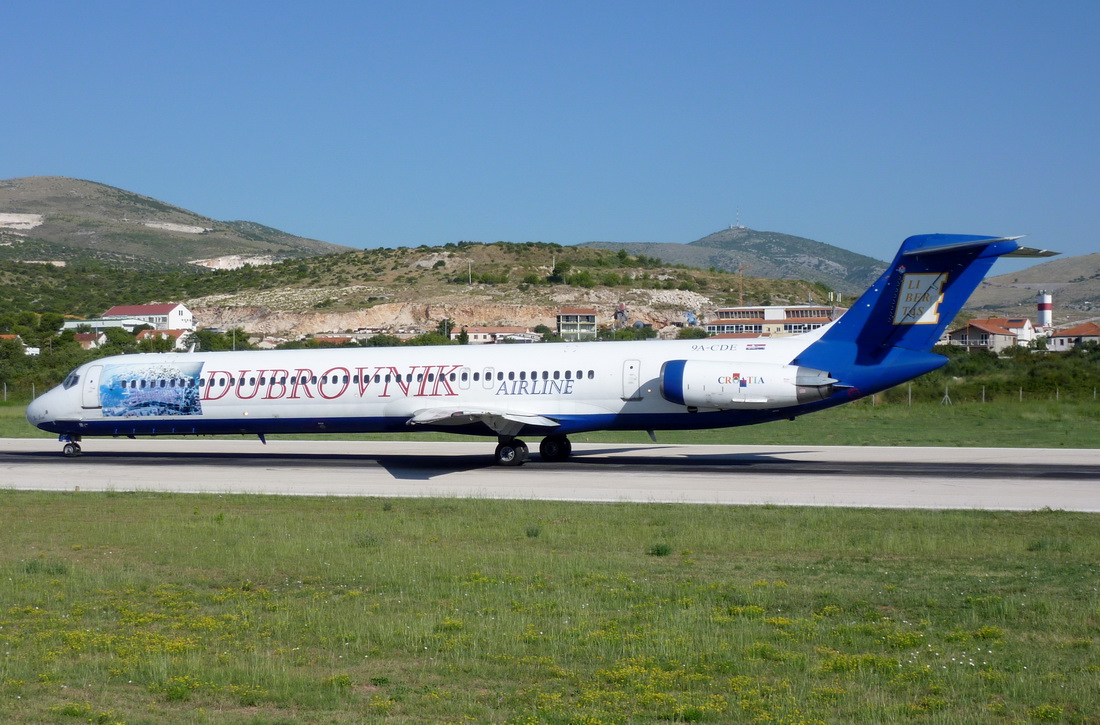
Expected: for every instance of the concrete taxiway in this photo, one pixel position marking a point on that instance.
(978, 478)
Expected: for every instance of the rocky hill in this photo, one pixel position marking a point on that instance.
(53, 218)
(477, 284)
(1074, 283)
(770, 255)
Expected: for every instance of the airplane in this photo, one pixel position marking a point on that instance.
(546, 390)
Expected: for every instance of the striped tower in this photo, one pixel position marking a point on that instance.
(1046, 309)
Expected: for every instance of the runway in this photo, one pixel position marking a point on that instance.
(941, 478)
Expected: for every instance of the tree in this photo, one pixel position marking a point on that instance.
(559, 273)
(118, 341)
(211, 341)
(445, 326)
(50, 322)
(13, 361)
(382, 341)
(430, 338)
(691, 333)
(156, 343)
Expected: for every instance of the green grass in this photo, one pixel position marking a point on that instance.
(158, 608)
(1030, 424)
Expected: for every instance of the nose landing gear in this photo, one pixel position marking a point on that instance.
(71, 449)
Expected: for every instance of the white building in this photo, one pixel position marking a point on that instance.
(167, 316)
(493, 335)
(1071, 337)
(994, 333)
(771, 320)
(99, 325)
(577, 323)
(179, 338)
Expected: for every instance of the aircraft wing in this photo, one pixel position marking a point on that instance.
(501, 422)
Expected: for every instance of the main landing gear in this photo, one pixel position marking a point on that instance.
(514, 452)
(71, 449)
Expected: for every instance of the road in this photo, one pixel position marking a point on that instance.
(970, 478)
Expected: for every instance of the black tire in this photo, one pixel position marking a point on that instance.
(71, 450)
(512, 453)
(555, 448)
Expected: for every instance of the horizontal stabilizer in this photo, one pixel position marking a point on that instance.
(1032, 252)
(931, 244)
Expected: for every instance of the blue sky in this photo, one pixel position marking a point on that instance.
(406, 123)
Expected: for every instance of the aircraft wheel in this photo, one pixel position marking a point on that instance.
(555, 448)
(511, 453)
(71, 450)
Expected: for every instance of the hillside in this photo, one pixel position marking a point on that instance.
(1074, 283)
(472, 283)
(769, 255)
(52, 218)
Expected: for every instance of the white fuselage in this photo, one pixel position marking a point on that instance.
(580, 386)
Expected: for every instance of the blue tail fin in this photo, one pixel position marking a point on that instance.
(886, 337)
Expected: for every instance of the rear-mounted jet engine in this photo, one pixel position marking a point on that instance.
(727, 386)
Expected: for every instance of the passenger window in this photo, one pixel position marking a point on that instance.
(511, 375)
(568, 374)
(545, 375)
(477, 376)
(591, 374)
(522, 374)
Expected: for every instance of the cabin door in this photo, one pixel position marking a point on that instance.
(632, 380)
(89, 397)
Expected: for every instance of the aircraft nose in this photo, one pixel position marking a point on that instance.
(37, 410)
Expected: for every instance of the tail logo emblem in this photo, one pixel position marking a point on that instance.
(919, 299)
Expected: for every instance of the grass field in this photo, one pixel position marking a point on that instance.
(158, 608)
(1030, 424)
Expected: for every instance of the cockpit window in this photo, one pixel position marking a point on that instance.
(70, 381)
